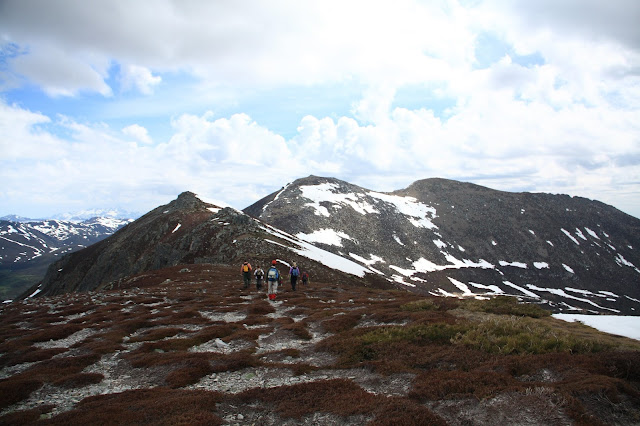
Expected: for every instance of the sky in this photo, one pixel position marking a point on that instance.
(126, 104)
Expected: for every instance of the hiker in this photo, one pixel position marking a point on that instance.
(259, 274)
(245, 269)
(273, 276)
(294, 272)
(305, 278)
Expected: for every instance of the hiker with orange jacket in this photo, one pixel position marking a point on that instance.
(246, 269)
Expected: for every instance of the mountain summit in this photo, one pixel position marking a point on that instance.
(452, 238)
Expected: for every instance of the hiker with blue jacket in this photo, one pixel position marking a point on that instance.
(294, 272)
(273, 277)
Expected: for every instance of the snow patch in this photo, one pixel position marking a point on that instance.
(628, 326)
(176, 228)
(568, 234)
(514, 264)
(523, 290)
(562, 293)
(592, 233)
(494, 288)
(324, 192)
(420, 215)
(373, 259)
(541, 265)
(325, 236)
(440, 244)
(461, 286)
(306, 249)
(568, 268)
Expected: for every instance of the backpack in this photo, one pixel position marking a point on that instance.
(245, 268)
(272, 275)
(295, 272)
(259, 273)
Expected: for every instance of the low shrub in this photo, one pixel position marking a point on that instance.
(26, 417)
(194, 370)
(423, 333)
(397, 411)
(79, 380)
(15, 390)
(438, 384)
(145, 406)
(338, 396)
(506, 305)
(516, 335)
(339, 323)
(235, 361)
(420, 305)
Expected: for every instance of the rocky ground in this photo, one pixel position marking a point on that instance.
(187, 345)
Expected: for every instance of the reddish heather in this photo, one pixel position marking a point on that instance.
(187, 345)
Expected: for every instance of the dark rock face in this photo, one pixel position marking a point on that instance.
(185, 231)
(447, 237)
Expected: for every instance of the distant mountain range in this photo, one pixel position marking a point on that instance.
(28, 246)
(79, 216)
(437, 236)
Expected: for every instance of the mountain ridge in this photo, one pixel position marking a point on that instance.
(185, 231)
(449, 237)
(436, 236)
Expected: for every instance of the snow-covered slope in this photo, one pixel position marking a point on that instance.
(26, 241)
(451, 238)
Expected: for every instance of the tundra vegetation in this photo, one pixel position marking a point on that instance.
(187, 345)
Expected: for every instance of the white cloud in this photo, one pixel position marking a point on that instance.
(140, 78)
(137, 132)
(62, 74)
(566, 123)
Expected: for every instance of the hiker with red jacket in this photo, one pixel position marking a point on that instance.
(305, 278)
(273, 278)
(294, 272)
(246, 269)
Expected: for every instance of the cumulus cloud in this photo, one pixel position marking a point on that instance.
(564, 122)
(237, 160)
(67, 77)
(138, 77)
(137, 132)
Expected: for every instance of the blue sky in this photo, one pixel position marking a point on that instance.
(127, 104)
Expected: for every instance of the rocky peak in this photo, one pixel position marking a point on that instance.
(188, 200)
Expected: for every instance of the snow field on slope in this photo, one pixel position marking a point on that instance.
(325, 236)
(419, 214)
(628, 326)
(322, 256)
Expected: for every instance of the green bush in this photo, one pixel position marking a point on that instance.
(431, 333)
(515, 335)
